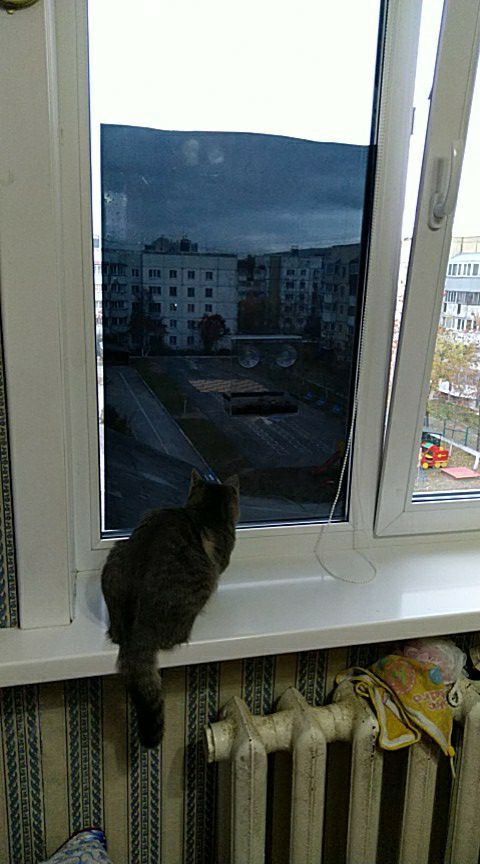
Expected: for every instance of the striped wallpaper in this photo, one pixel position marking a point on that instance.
(70, 758)
(8, 588)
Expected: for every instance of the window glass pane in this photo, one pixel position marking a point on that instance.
(449, 456)
(231, 162)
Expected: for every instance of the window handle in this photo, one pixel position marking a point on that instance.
(443, 201)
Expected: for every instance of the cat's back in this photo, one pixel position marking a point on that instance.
(162, 537)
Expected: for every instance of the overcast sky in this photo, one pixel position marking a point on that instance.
(256, 67)
(231, 192)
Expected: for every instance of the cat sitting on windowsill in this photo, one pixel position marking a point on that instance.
(156, 582)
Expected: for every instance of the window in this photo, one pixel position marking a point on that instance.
(191, 325)
(436, 427)
(290, 272)
(173, 323)
(172, 274)
(172, 291)
(238, 346)
(191, 274)
(190, 340)
(208, 307)
(173, 307)
(191, 307)
(135, 271)
(191, 292)
(208, 292)
(209, 275)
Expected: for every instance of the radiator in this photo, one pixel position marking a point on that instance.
(243, 741)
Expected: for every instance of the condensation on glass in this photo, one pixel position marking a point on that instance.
(232, 154)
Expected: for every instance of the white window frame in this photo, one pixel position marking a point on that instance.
(46, 248)
(399, 513)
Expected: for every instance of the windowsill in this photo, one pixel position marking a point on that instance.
(266, 608)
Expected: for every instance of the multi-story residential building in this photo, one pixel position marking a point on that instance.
(461, 299)
(121, 288)
(180, 288)
(160, 293)
(309, 292)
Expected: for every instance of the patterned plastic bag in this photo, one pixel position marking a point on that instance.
(86, 847)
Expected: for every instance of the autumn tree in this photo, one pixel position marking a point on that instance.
(454, 361)
(211, 329)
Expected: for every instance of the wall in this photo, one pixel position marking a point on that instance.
(70, 758)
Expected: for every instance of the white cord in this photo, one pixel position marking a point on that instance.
(371, 571)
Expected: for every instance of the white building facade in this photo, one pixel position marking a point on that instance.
(160, 294)
(180, 288)
(461, 299)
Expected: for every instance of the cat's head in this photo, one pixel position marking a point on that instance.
(218, 501)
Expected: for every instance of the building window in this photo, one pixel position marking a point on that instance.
(135, 271)
(190, 340)
(172, 274)
(191, 325)
(172, 291)
(173, 323)
(172, 340)
(209, 275)
(191, 307)
(208, 307)
(208, 292)
(154, 274)
(191, 274)
(475, 270)
(173, 307)
(303, 272)
(191, 292)
(290, 272)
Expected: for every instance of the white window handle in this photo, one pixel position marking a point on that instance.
(443, 202)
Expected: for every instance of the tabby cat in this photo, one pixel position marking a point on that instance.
(156, 582)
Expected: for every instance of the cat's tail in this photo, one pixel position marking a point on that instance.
(138, 666)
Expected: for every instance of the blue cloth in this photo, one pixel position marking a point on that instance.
(86, 847)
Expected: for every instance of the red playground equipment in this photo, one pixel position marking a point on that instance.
(432, 454)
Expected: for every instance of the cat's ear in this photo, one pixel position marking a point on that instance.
(195, 479)
(234, 482)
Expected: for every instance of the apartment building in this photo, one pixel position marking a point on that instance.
(461, 299)
(310, 292)
(159, 294)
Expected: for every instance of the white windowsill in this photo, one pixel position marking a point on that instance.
(266, 608)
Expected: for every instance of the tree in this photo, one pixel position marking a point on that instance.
(453, 361)
(211, 329)
(147, 334)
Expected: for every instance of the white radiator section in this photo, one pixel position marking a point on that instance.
(244, 740)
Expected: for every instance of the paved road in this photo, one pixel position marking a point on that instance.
(153, 469)
(149, 421)
(303, 439)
